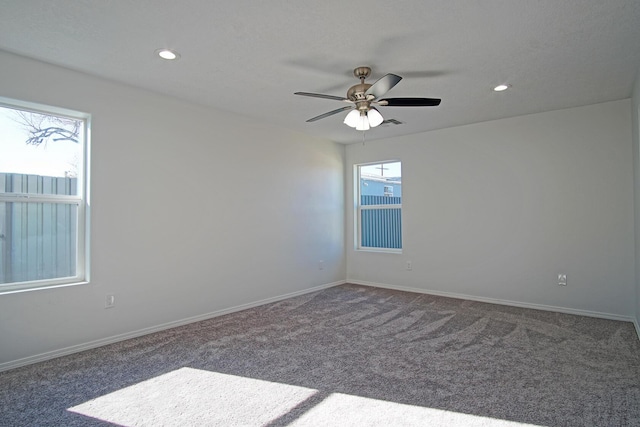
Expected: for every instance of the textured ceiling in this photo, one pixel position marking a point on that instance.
(250, 56)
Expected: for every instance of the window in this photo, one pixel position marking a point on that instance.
(379, 206)
(43, 196)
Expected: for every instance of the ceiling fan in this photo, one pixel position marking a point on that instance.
(363, 98)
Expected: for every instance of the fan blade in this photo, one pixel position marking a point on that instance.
(330, 113)
(383, 85)
(319, 95)
(409, 102)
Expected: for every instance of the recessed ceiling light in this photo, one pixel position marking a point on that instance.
(167, 54)
(500, 88)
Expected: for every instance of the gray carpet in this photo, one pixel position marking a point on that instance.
(348, 355)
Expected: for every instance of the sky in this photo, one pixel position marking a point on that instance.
(389, 169)
(47, 159)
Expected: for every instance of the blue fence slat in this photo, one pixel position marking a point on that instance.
(381, 228)
(38, 239)
(380, 200)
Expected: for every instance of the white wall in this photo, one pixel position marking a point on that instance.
(635, 113)
(492, 210)
(193, 211)
(496, 210)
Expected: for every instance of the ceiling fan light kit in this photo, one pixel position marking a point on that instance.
(364, 96)
(363, 120)
(363, 123)
(352, 118)
(375, 118)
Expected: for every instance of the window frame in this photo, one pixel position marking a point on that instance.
(358, 208)
(81, 200)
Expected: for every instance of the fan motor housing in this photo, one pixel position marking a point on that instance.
(357, 93)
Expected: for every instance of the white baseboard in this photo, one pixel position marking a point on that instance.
(134, 334)
(565, 310)
(637, 325)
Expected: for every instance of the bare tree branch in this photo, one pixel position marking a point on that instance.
(41, 128)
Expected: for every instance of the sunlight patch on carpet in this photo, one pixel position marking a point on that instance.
(347, 410)
(192, 397)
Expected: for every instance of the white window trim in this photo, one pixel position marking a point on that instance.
(358, 211)
(81, 200)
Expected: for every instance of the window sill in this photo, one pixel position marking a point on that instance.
(13, 289)
(380, 250)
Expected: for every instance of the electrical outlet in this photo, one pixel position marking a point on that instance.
(321, 265)
(110, 301)
(409, 266)
(562, 279)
